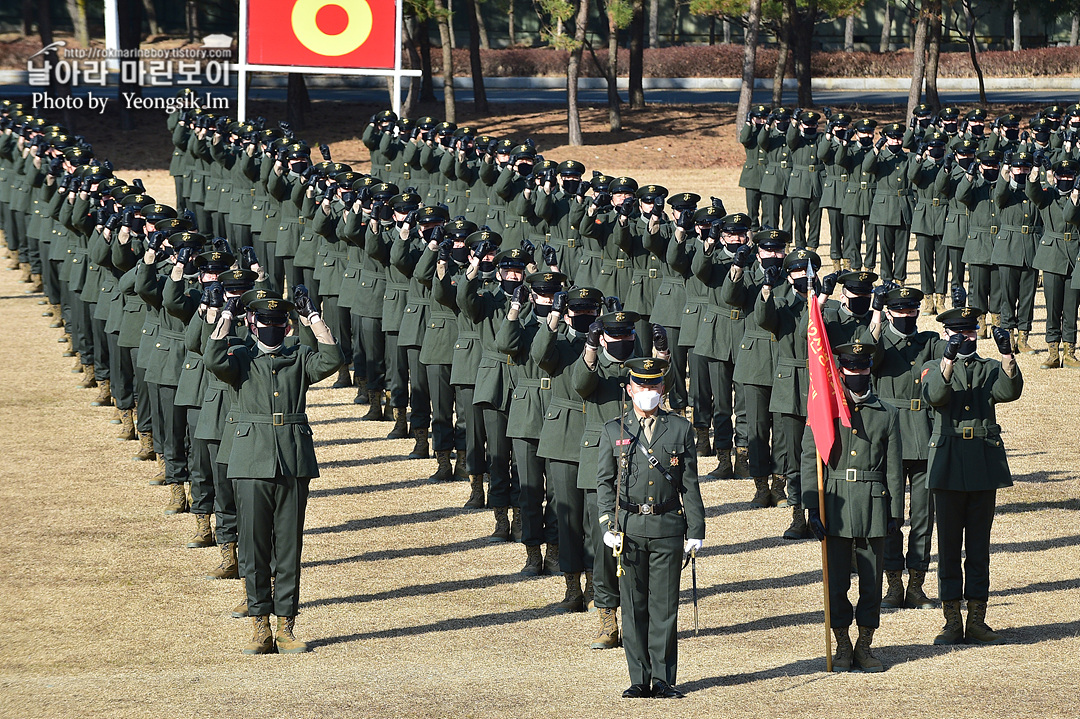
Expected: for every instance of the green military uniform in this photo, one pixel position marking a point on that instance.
(860, 247)
(1014, 250)
(772, 140)
(928, 218)
(976, 193)
(754, 167)
(810, 152)
(834, 187)
(890, 212)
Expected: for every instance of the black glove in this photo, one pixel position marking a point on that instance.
(436, 234)
(56, 166)
(113, 223)
(325, 150)
(877, 302)
(959, 296)
(952, 348)
(1003, 339)
(715, 230)
(813, 520)
(1024, 136)
(481, 249)
(583, 187)
(880, 143)
(559, 302)
(659, 338)
(627, 207)
(86, 184)
(410, 218)
(773, 276)
(214, 295)
(220, 244)
(658, 208)
(305, 307)
(602, 200)
(184, 254)
(744, 256)
(528, 247)
(235, 306)
(156, 240)
(685, 221)
(520, 295)
(445, 247)
(282, 155)
(950, 160)
(828, 283)
(551, 257)
(593, 338)
(613, 304)
(248, 258)
(893, 527)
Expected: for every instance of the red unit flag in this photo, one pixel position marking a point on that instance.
(322, 33)
(825, 400)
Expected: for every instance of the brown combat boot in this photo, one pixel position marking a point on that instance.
(127, 426)
(443, 471)
(502, 525)
(35, 285)
(976, 630)
(798, 528)
(204, 536)
(551, 560)
(864, 658)
(742, 462)
(939, 304)
(58, 318)
(24, 267)
(515, 523)
(104, 398)
(1053, 360)
(607, 637)
(361, 391)
(343, 378)
(460, 470)
(534, 561)
(78, 368)
(704, 445)
(262, 641)
(953, 631)
(146, 451)
(574, 599)
(779, 491)
(836, 266)
(1068, 356)
(388, 413)
(285, 641)
(894, 595)
(178, 500)
(723, 465)
(117, 417)
(841, 661)
(228, 569)
(374, 413)
(421, 449)
(158, 480)
(476, 494)
(240, 610)
(1022, 345)
(401, 424)
(845, 264)
(927, 305)
(762, 496)
(88, 381)
(916, 598)
(589, 595)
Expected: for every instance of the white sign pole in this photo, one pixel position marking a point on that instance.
(395, 100)
(242, 67)
(112, 36)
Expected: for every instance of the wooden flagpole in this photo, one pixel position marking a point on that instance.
(824, 565)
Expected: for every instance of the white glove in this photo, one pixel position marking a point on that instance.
(613, 540)
(693, 545)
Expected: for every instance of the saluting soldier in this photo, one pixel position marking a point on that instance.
(858, 199)
(1014, 248)
(650, 505)
(810, 151)
(890, 212)
(928, 219)
(754, 167)
(772, 139)
(845, 319)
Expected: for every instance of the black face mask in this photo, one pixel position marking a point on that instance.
(571, 187)
(1012, 134)
(767, 262)
(810, 134)
(904, 325)
(732, 247)
(1042, 137)
(621, 349)
(937, 152)
(460, 255)
(1064, 185)
(271, 336)
(924, 122)
(965, 162)
(858, 305)
(801, 284)
(866, 141)
(541, 310)
(990, 175)
(299, 167)
(525, 169)
(190, 270)
(783, 126)
(580, 323)
(968, 347)
(1020, 179)
(508, 286)
(950, 127)
(426, 232)
(976, 130)
(859, 384)
(487, 266)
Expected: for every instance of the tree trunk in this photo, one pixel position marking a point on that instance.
(151, 17)
(849, 33)
(77, 10)
(750, 43)
(969, 15)
(783, 41)
(612, 76)
(712, 30)
(297, 101)
(573, 70)
(654, 23)
(29, 14)
(427, 83)
(510, 23)
(886, 28)
(933, 52)
(412, 98)
(802, 46)
(918, 59)
(480, 103)
(130, 33)
(1016, 28)
(637, 57)
(191, 19)
(479, 13)
(1074, 31)
(449, 23)
(445, 34)
(727, 31)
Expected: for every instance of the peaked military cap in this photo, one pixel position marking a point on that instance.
(155, 213)
(619, 324)
(684, 201)
(840, 119)
(465, 131)
(760, 110)
(856, 355)
(772, 239)
(627, 185)
(515, 258)
(894, 130)
(460, 228)
(1041, 123)
(405, 125)
(272, 307)
(445, 128)
(405, 201)
(922, 110)
(545, 165)
(867, 124)
(386, 116)
(978, 115)
(809, 118)
(384, 191)
(858, 281)
(364, 181)
(646, 370)
(960, 318)
(949, 113)
(903, 298)
(1009, 120)
(187, 239)
(708, 215)
(545, 283)
(109, 184)
(504, 146)
(600, 181)
(1022, 159)
(799, 259)
(426, 123)
(1053, 112)
(990, 157)
(967, 147)
(649, 192)
(431, 214)
(484, 234)
(781, 112)
(521, 152)
(736, 222)
(215, 261)
(937, 138)
(238, 279)
(1066, 167)
(138, 200)
(584, 298)
(571, 167)
(173, 225)
(347, 178)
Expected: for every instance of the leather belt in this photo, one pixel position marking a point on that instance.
(647, 509)
(534, 383)
(856, 475)
(278, 419)
(990, 430)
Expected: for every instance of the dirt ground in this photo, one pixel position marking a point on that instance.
(412, 613)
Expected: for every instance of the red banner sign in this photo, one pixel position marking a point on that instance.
(322, 33)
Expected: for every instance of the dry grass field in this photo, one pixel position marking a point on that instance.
(411, 613)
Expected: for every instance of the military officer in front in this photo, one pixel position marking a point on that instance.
(650, 508)
(967, 465)
(864, 502)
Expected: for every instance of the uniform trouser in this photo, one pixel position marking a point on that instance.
(869, 556)
(224, 498)
(33, 249)
(765, 456)
(836, 233)
(700, 388)
(643, 328)
(537, 495)
(807, 222)
(605, 576)
(956, 265)
(24, 240)
(397, 372)
(753, 208)
(291, 275)
(442, 406)
(339, 321)
(933, 264)
(11, 230)
(1061, 307)
(202, 217)
(792, 427)
(50, 275)
(200, 467)
(419, 396)
(475, 432)
(894, 249)
(964, 520)
(359, 356)
(220, 224)
(677, 398)
(239, 236)
(374, 341)
(181, 198)
(173, 431)
(1017, 306)
(503, 490)
(649, 590)
(983, 288)
(270, 522)
(921, 526)
(144, 398)
(101, 346)
(82, 334)
(575, 535)
(856, 228)
(729, 406)
(771, 205)
(275, 266)
(122, 374)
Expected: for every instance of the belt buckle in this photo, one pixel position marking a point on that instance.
(863, 185)
(901, 193)
(936, 202)
(843, 177)
(652, 274)
(812, 168)
(851, 475)
(388, 166)
(571, 242)
(1025, 229)
(735, 315)
(468, 193)
(783, 164)
(545, 383)
(1067, 236)
(509, 360)
(645, 509)
(620, 264)
(916, 405)
(279, 419)
(969, 433)
(406, 174)
(994, 229)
